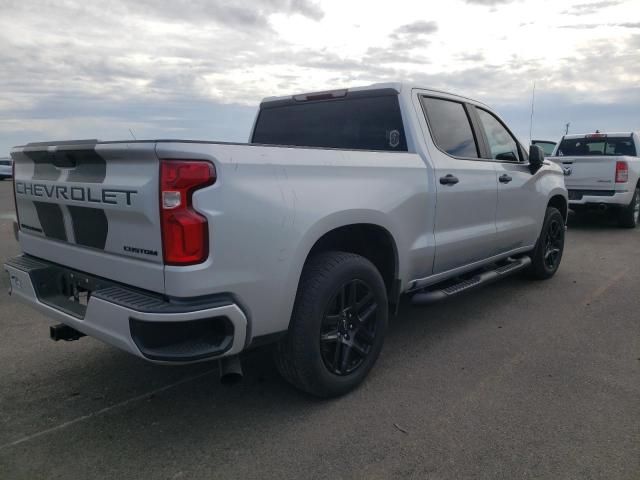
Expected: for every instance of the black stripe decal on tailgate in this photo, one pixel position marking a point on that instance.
(90, 226)
(51, 220)
(43, 168)
(87, 166)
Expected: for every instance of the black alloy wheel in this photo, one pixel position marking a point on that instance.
(553, 243)
(348, 328)
(337, 326)
(547, 255)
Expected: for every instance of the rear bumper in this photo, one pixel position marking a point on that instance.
(141, 323)
(597, 197)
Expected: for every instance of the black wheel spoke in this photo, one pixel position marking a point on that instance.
(365, 335)
(336, 356)
(344, 358)
(348, 330)
(363, 302)
(330, 336)
(362, 350)
(366, 314)
(551, 252)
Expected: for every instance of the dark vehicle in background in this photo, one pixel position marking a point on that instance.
(547, 146)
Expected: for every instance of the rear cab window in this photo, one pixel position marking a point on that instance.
(361, 120)
(599, 145)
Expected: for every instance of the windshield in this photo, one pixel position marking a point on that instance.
(584, 146)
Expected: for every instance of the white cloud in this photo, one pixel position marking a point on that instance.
(92, 70)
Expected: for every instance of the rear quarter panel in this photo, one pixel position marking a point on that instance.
(270, 205)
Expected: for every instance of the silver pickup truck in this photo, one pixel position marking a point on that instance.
(602, 170)
(184, 251)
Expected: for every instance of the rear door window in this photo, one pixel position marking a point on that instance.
(450, 127)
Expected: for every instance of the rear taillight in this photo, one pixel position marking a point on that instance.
(185, 233)
(622, 172)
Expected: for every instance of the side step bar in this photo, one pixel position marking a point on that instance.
(430, 296)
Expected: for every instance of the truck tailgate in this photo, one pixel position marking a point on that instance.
(93, 207)
(588, 172)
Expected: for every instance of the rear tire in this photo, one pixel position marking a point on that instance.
(337, 327)
(629, 216)
(547, 255)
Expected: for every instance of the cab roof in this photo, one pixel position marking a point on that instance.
(398, 87)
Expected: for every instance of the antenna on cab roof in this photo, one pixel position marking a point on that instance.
(533, 99)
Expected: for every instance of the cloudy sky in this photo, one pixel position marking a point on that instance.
(197, 69)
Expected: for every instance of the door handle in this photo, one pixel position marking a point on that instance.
(449, 180)
(505, 178)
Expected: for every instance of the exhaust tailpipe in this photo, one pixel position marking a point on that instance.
(230, 370)
(602, 207)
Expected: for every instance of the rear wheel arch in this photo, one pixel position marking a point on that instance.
(371, 241)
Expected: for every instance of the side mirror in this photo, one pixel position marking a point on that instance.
(536, 158)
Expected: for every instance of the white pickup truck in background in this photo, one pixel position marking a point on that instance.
(602, 170)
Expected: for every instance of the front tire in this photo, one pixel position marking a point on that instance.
(547, 254)
(337, 327)
(629, 216)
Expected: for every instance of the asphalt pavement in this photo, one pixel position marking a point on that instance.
(516, 380)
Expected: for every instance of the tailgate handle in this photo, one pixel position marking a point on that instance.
(64, 160)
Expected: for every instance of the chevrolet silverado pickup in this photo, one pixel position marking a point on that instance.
(306, 237)
(602, 170)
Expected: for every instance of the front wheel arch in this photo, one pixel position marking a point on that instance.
(560, 203)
